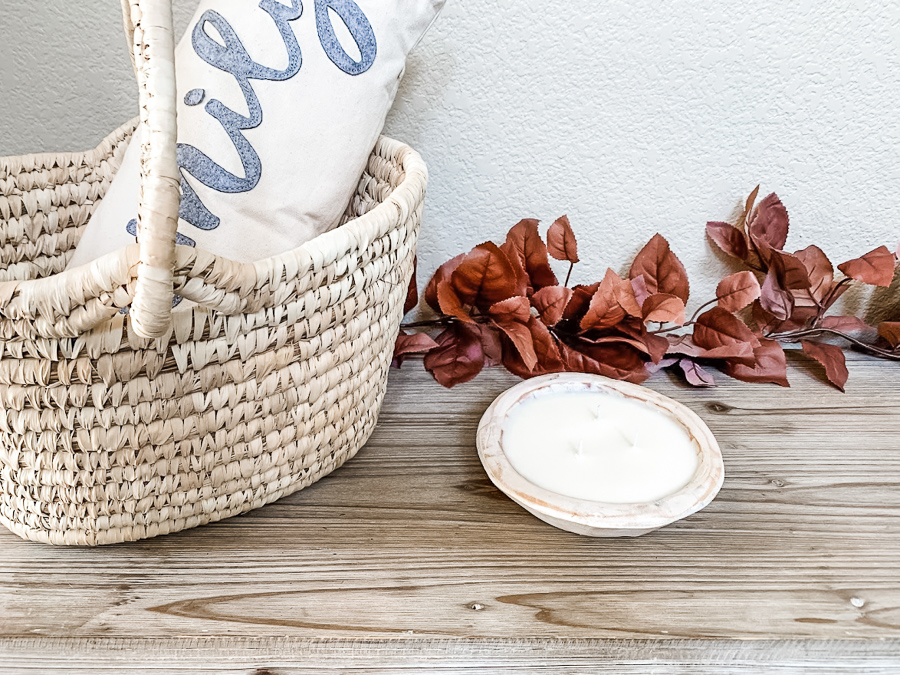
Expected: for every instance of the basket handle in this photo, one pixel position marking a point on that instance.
(148, 25)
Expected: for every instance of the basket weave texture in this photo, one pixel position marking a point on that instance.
(271, 381)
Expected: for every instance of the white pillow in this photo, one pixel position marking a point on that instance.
(280, 105)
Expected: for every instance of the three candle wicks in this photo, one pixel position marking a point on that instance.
(631, 440)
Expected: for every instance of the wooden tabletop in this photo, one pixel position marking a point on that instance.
(409, 558)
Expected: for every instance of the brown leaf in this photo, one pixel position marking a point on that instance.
(875, 267)
(845, 324)
(623, 291)
(890, 331)
(522, 282)
(641, 293)
(618, 361)
(655, 346)
(769, 224)
(450, 303)
(527, 244)
(512, 317)
(735, 351)
(803, 298)
(801, 317)
(626, 296)
(415, 343)
(831, 357)
(561, 242)
(489, 337)
(511, 310)
(838, 289)
(484, 277)
(550, 302)
(789, 270)
(729, 239)
(443, 273)
(748, 208)
(695, 375)
(545, 348)
(412, 291)
(604, 310)
(718, 328)
(458, 357)
(664, 308)
(819, 271)
(775, 300)
(644, 346)
(618, 338)
(737, 290)
(656, 367)
(521, 339)
(763, 320)
(770, 365)
(662, 270)
(580, 301)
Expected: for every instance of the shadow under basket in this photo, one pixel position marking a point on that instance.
(273, 379)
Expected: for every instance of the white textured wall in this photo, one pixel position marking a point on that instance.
(631, 116)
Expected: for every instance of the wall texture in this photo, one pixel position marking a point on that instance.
(631, 116)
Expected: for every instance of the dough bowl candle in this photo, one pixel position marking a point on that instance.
(599, 457)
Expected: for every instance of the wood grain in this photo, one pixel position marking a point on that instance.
(408, 557)
(293, 656)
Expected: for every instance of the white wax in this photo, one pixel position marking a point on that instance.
(598, 446)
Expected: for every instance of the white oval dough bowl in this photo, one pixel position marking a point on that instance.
(594, 518)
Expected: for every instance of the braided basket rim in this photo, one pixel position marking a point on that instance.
(323, 250)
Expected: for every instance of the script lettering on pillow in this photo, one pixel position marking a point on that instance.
(280, 104)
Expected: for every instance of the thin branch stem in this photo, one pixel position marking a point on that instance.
(671, 328)
(795, 336)
(829, 300)
(568, 276)
(442, 321)
(431, 323)
(700, 309)
(809, 294)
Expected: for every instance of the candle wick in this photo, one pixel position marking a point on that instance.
(628, 439)
(634, 441)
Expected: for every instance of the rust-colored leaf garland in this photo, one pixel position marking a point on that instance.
(504, 305)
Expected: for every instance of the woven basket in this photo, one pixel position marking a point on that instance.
(119, 427)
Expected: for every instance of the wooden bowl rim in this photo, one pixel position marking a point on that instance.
(698, 492)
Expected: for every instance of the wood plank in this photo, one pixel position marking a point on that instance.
(410, 544)
(289, 656)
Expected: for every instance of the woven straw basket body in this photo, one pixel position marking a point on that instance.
(118, 427)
